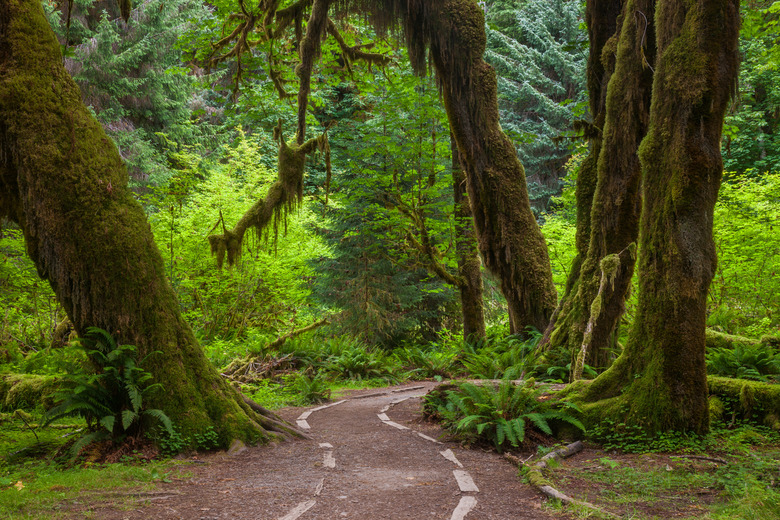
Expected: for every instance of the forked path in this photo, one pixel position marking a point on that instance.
(370, 458)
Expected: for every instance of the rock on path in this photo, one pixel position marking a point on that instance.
(370, 458)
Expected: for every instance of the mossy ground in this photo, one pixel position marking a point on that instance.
(731, 473)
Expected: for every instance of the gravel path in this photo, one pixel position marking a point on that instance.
(370, 458)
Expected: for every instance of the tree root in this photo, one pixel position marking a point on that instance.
(272, 422)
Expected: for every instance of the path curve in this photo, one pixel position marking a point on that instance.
(370, 458)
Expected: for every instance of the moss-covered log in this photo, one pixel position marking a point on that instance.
(737, 399)
(63, 181)
(27, 391)
(594, 310)
(660, 378)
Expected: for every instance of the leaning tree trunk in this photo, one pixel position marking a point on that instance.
(605, 275)
(601, 17)
(65, 185)
(510, 241)
(469, 264)
(659, 381)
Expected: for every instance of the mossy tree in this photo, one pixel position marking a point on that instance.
(451, 35)
(660, 378)
(601, 17)
(587, 324)
(63, 182)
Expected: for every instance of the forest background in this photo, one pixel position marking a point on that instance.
(196, 149)
(369, 261)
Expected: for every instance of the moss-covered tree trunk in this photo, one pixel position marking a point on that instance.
(660, 378)
(597, 304)
(63, 182)
(510, 241)
(469, 264)
(601, 17)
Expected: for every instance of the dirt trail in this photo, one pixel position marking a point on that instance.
(370, 458)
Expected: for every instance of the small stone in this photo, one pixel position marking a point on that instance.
(236, 447)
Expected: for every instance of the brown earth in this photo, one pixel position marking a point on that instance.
(357, 465)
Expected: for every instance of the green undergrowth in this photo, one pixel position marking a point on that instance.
(36, 480)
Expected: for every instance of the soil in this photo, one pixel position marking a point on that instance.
(358, 464)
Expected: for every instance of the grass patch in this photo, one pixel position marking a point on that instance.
(34, 484)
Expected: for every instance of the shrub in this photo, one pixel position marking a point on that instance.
(111, 399)
(497, 415)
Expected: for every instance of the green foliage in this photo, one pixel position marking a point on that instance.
(538, 49)
(131, 74)
(266, 290)
(310, 389)
(427, 363)
(398, 179)
(752, 128)
(758, 362)
(633, 438)
(745, 293)
(111, 399)
(360, 364)
(559, 225)
(497, 415)
(29, 311)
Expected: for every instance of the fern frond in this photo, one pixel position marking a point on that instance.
(540, 421)
(160, 416)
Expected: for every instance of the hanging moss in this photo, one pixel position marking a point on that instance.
(282, 198)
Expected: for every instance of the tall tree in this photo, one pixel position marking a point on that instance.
(601, 17)
(537, 49)
(660, 378)
(63, 182)
(586, 325)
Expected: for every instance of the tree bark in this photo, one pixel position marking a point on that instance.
(659, 380)
(469, 264)
(65, 185)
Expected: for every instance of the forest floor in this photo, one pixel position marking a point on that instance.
(372, 456)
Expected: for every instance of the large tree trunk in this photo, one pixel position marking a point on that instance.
(510, 241)
(469, 264)
(65, 185)
(660, 379)
(605, 275)
(601, 17)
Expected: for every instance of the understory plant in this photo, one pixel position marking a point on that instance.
(110, 399)
(757, 362)
(499, 415)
